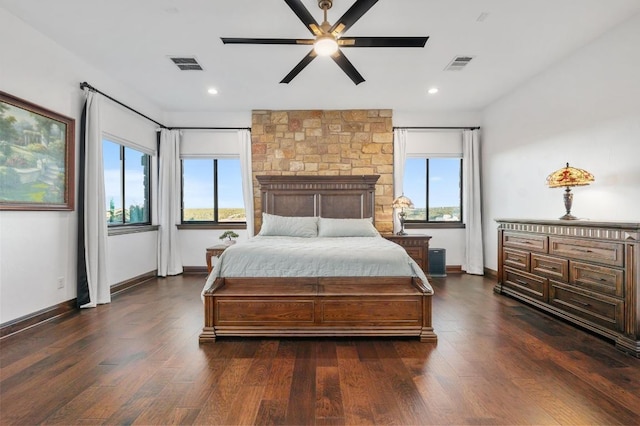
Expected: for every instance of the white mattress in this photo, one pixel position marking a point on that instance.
(315, 257)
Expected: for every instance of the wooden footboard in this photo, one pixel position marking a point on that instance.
(325, 306)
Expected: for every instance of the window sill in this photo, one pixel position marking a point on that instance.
(233, 225)
(433, 225)
(131, 229)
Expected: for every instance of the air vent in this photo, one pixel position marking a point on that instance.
(186, 63)
(458, 63)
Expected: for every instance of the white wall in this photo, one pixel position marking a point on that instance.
(584, 110)
(436, 118)
(36, 248)
(207, 119)
(131, 255)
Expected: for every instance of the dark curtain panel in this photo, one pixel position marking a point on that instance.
(81, 273)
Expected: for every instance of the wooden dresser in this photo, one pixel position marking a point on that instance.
(585, 272)
(416, 246)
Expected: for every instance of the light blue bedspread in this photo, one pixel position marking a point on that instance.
(263, 256)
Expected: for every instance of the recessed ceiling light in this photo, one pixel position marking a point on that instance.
(212, 91)
(432, 91)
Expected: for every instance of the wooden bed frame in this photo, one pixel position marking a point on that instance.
(323, 306)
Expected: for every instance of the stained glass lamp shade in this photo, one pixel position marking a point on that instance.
(402, 203)
(569, 177)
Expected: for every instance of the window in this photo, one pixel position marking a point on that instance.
(435, 187)
(212, 191)
(126, 182)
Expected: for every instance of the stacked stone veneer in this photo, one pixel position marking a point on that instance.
(334, 142)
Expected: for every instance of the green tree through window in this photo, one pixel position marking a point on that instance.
(126, 181)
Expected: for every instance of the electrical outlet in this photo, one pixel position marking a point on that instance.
(60, 282)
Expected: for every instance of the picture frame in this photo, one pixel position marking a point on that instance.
(37, 157)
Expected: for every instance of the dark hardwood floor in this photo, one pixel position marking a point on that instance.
(138, 361)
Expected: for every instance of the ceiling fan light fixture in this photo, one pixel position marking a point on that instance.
(329, 39)
(325, 45)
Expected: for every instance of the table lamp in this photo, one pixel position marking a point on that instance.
(402, 203)
(568, 177)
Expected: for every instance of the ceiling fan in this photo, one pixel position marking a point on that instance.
(329, 38)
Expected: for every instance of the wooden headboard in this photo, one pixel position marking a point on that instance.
(350, 197)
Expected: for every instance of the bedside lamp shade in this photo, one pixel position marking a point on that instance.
(568, 177)
(402, 203)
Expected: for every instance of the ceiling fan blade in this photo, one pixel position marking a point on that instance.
(231, 40)
(301, 65)
(305, 16)
(383, 41)
(347, 67)
(355, 12)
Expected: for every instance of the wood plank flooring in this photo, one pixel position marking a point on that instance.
(138, 361)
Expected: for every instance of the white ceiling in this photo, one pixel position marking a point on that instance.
(131, 41)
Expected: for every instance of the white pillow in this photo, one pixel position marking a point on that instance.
(289, 226)
(346, 228)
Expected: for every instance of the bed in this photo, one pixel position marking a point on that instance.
(245, 294)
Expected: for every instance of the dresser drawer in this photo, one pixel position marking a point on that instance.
(598, 278)
(530, 242)
(595, 251)
(550, 267)
(517, 259)
(602, 310)
(526, 284)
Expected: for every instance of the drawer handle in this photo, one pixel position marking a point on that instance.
(522, 282)
(583, 250)
(580, 302)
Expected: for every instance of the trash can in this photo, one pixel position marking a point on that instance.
(437, 262)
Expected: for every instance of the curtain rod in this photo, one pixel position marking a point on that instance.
(84, 85)
(438, 128)
(210, 128)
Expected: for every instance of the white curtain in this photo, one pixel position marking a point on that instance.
(169, 259)
(399, 158)
(244, 137)
(95, 223)
(472, 209)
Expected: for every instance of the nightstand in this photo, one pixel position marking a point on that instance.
(214, 251)
(416, 246)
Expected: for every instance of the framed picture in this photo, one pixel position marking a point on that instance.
(36, 157)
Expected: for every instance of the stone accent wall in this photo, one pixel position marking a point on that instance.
(329, 142)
